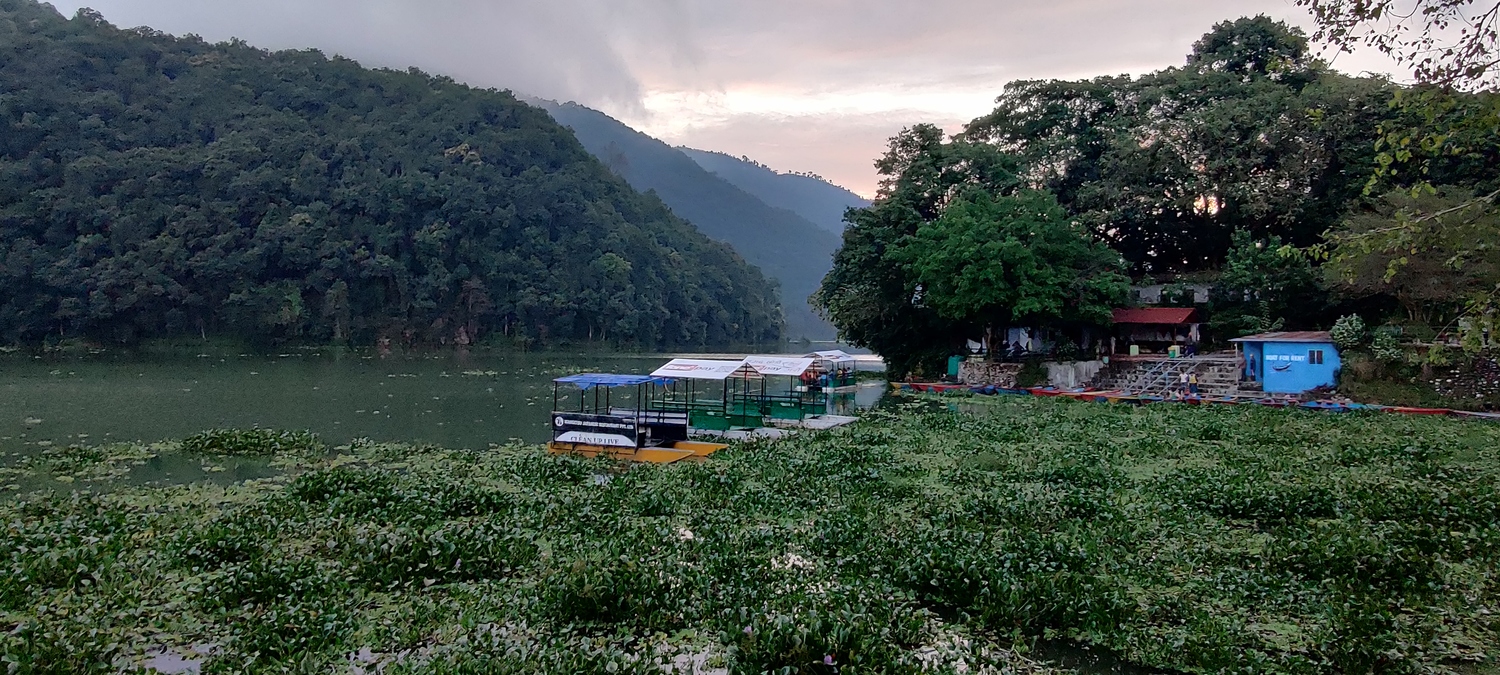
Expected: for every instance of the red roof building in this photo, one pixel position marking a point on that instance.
(1147, 330)
(1157, 316)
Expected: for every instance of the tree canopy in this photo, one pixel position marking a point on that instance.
(955, 246)
(1013, 260)
(1250, 134)
(1445, 142)
(152, 186)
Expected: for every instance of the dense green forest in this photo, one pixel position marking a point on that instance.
(1254, 167)
(786, 246)
(154, 186)
(820, 202)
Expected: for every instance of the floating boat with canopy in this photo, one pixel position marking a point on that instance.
(615, 418)
(698, 388)
(833, 371)
(752, 393)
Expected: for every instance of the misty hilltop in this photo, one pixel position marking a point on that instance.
(819, 201)
(153, 186)
(788, 247)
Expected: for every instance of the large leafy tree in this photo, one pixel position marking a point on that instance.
(1444, 42)
(1451, 266)
(868, 295)
(1013, 260)
(1447, 134)
(1263, 287)
(954, 245)
(1250, 134)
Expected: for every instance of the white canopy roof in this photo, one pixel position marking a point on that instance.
(836, 356)
(698, 369)
(779, 365)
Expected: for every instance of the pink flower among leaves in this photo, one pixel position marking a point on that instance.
(828, 660)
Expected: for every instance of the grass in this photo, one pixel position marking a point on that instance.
(921, 540)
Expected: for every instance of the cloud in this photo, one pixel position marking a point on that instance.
(808, 84)
(566, 49)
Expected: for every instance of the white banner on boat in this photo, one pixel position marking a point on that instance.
(778, 365)
(698, 369)
(836, 356)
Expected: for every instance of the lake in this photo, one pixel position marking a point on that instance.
(456, 399)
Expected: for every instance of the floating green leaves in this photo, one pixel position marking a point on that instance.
(922, 540)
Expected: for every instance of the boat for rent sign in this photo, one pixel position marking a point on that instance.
(606, 430)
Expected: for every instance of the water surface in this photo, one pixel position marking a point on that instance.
(457, 399)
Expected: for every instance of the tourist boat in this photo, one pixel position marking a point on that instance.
(731, 398)
(614, 418)
(833, 372)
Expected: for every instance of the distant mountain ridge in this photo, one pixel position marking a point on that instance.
(787, 247)
(817, 200)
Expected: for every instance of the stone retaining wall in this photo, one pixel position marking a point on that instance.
(1074, 374)
(1067, 375)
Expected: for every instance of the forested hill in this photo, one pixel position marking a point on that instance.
(152, 186)
(786, 246)
(811, 197)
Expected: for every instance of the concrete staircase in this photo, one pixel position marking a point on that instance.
(1218, 375)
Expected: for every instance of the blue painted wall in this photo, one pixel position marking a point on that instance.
(1254, 358)
(1289, 368)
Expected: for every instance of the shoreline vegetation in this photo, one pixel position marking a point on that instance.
(938, 535)
(233, 346)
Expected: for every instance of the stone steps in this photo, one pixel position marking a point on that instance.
(1216, 376)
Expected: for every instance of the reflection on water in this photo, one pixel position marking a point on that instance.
(172, 468)
(457, 399)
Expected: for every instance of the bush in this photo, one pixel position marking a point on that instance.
(1387, 348)
(1349, 333)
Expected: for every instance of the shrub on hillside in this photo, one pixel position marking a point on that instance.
(1349, 333)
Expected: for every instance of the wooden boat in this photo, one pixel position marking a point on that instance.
(1045, 391)
(1088, 395)
(1407, 410)
(1486, 416)
(1326, 406)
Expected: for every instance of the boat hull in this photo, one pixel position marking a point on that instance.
(678, 451)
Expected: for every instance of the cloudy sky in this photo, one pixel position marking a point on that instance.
(800, 85)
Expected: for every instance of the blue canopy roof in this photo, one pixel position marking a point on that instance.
(589, 380)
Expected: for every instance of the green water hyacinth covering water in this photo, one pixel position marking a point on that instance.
(924, 539)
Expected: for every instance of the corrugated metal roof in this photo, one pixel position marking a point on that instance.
(1157, 315)
(1289, 336)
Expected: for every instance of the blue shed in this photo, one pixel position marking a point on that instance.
(1291, 362)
